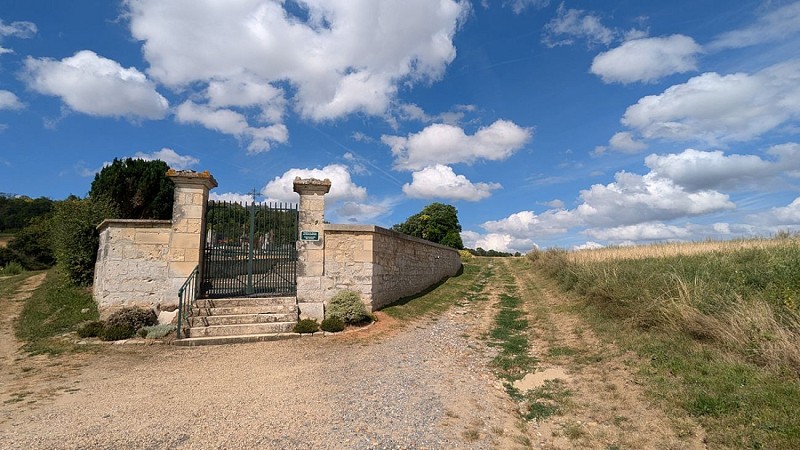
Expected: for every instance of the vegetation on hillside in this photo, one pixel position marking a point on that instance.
(17, 212)
(437, 223)
(720, 327)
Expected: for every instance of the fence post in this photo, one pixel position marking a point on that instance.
(311, 246)
(188, 223)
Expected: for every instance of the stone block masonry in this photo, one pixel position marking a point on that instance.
(382, 265)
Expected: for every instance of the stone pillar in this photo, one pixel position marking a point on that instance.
(188, 224)
(311, 253)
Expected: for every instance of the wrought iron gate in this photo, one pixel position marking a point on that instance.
(249, 250)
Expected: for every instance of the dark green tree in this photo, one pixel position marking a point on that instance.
(137, 189)
(17, 212)
(436, 222)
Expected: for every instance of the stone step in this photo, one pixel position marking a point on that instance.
(241, 329)
(245, 301)
(241, 339)
(238, 310)
(239, 319)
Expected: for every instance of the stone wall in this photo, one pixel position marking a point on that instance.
(132, 264)
(383, 265)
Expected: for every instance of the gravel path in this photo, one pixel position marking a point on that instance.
(422, 385)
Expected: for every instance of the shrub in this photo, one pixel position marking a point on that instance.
(157, 331)
(91, 329)
(75, 238)
(348, 307)
(142, 333)
(31, 246)
(12, 268)
(133, 317)
(332, 325)
(117, 332)
(306, 326)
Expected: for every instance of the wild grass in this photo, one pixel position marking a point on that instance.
(435, 300)
(718, 321)
(55, 308)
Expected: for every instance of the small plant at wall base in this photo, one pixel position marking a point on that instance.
(348, 307)
(332, 325)
(306, 326)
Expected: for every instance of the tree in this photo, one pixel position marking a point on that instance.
(17, 212)
(136, 188)
(436, 222)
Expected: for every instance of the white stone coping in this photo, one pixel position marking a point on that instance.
(346, 228)
(134, 223)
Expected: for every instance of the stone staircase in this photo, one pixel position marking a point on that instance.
(235, 320)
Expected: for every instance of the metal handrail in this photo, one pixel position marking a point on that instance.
(187, 301)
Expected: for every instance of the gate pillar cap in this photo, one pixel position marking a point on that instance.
(191, 177)
(309, 186)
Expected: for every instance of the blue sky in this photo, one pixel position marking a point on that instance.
(572, 124)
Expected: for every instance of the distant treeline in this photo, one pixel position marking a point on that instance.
(17, 212)
(481, 252)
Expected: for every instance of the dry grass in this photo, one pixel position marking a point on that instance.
(671, 249)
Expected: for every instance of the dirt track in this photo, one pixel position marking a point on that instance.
(426, 384)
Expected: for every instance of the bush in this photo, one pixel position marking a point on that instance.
(12, 268)
(348, 307)
(332, 325)
(31, 246)
(306, 326)
(75, 238)
(91, 329)
(132, 317)
(157, 331)
(117, 332)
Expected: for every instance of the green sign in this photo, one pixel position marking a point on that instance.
(306, 235)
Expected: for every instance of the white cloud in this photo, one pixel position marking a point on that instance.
(647, 60)
(21, 29)
(589, 245)
(281, 188)
(171, 157)
(784, 215)
(713, 107)
(232, 197)
(633, 199)
(497, 241)
(773, 26)
(696, 170)
(448, 144)
(441, 181)
(572, 24)
(4, 50)
(231, 122)
(8, 100)
(624, 142)
(97, 86)
(640, 232)
(557, 204)
(518, 6)
(358, 212)
(526, 224)
(340, 57)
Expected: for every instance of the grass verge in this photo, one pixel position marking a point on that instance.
(11, 284)
(718, 331)
(55, 308)
(438, 298)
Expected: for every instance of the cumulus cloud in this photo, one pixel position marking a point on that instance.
(281, 188)
(9, 100)
(339, 57)
(647, 60)
(571, 25)
(623, 142)
(497, 241)
(589, 245)
(713, 107)
(97, 86)
(448, 144)
(697, 170)
(773, 26)
(171, 157)
(231, 122)
(359, 212)
(441, 181)
(640, 232)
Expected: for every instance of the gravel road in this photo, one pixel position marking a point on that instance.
(420, 385)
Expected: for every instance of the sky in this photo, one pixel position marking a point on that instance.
(574, 124)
